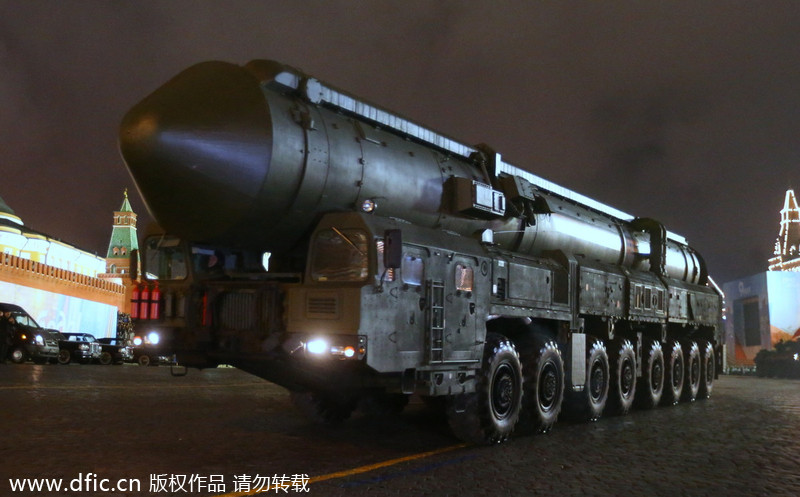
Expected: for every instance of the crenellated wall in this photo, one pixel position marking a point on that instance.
(40, 276)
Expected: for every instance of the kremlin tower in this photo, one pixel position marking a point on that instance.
(123, 240)
(787, 246)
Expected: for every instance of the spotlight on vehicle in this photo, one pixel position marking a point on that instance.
(317, 346)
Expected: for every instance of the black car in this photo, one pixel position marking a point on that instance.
(150, 350)
(115, 351)
(81, 347)
(29, 340)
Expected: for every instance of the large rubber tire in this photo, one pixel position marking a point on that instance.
(144, 360)
(674, 373)
(543, 385)
(321, 409)
(588, 404)
(64, 356)
(691, 385)
(708, 371)
(651, 385)
(490, 414)
(622, 388)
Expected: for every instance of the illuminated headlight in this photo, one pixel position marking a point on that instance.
(83, 346)
(137, 341)
(342, 347)
(797, 357)
(39, 340)
(153, 338)
(317, 346)
(369, 205)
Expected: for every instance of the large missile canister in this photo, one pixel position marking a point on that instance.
(252, 155)
(224, 154)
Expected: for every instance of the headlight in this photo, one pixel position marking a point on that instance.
(39, 340)
(343, 347)
(84, 346)
(137, 341)
(797, 357)
(153, 338)
(317, 346)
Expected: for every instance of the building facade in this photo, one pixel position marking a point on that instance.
(764, 309)
(58, 284)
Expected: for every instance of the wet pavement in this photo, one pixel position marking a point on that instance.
(101, 430)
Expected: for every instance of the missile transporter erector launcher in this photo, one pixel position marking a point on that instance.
(400, 262)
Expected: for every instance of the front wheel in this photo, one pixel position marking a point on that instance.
(106, 358)
(18, 355)
(64, 356)
(490, 414)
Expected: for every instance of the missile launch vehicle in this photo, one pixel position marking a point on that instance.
(357, 257)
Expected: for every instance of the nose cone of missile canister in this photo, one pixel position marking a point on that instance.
(199, 150)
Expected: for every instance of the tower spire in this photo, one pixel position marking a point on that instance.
(787, 245)
(123, 238)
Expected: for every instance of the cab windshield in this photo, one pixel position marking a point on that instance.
(165, 259)
(340, 255)
(21, 317)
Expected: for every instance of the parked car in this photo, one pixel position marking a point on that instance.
(150, 350)
(81, 347)
(29, 340)
(115, 351)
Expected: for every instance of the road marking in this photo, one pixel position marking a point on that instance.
(356, 471)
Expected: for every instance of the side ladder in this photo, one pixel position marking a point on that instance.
(435, 297)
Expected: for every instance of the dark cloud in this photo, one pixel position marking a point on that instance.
(682, 111)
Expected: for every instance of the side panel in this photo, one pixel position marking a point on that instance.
(462, 282)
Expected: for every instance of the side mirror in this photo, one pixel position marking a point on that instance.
(392, 249)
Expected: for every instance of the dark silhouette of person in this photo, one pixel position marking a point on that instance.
(6, 336)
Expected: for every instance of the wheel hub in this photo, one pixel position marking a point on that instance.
(677, 374)
(503, 391)
(548, 386)
(597, 381)
(627, 378)
(657, 376)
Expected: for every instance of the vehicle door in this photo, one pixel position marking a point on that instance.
(459, 335)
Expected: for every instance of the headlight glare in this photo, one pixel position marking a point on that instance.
(317, 346)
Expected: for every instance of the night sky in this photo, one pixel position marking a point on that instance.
(687, 112)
